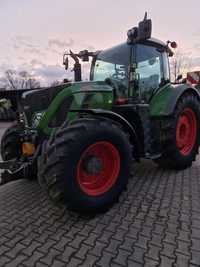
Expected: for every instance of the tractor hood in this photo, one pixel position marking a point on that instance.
(48, 108)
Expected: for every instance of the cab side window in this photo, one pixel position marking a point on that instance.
(149, 69)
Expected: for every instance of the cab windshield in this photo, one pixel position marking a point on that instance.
(113, 63)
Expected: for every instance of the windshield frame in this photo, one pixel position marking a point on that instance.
(132, 62)
(129, 47)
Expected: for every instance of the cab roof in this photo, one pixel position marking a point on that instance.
(156, 42)
(151, 41)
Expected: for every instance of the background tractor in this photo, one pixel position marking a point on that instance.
(193, 78)
(80, 139)
(6, 111)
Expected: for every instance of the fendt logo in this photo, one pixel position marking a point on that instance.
(193, 77)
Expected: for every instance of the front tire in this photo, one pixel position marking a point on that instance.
(86, 165)
(10, 143)
(181, 134)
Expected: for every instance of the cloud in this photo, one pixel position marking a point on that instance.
(197, 46)
(35, 62)
(21, 58)
(25, 44)
(34, 50)
(5, 66)
(2, 82)
(196, 62)
(55, 51)
(49, 73)
(196, 32)
(31, 45)
(16, 47)
(91, 48)
(23, 38)
(61, 44)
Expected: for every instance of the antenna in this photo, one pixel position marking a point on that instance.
(145, 16)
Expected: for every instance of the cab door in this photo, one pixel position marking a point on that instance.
(150, 73)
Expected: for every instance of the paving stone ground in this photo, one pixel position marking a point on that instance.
(155, 223)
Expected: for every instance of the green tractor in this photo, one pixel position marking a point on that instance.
(80, 139)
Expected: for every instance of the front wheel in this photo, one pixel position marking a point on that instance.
(86, 165)
(181, 134)
(10, 143)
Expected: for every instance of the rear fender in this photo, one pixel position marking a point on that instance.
(164, 102)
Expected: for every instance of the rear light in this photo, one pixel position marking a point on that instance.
(121, 101)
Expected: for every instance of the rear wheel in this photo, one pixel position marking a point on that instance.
(86, 165)
(181, 134)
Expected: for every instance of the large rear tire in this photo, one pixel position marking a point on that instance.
(10, 143)
(86, 165)
(181, 134)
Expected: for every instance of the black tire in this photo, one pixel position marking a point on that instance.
(172, 156)
(10, 143)
(61, 154)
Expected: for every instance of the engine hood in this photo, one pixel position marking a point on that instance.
(79, 95)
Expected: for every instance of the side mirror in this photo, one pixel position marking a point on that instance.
(66, 62)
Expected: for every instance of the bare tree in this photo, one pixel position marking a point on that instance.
(180, 64)
(19, 80)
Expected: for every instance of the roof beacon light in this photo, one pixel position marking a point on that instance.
(174, 45)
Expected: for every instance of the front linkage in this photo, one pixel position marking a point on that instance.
(19, 153)
(14, 170)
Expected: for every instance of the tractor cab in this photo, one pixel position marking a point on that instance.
(139, 70)
(136, 69)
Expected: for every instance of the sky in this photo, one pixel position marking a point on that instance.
(35, 33)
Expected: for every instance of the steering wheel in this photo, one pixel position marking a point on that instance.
(116, 84)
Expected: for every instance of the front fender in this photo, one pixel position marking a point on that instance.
(122, 121)
(164, 102)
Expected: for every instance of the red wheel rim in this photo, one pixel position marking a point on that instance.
(186, 131)
(98, 168)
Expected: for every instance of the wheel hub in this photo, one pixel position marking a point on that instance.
(98, 168)
(93, 165)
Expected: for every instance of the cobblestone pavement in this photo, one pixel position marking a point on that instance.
(155, 223)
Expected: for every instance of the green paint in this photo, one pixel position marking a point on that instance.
(85, 95)
(164, 102)
(159, 102)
